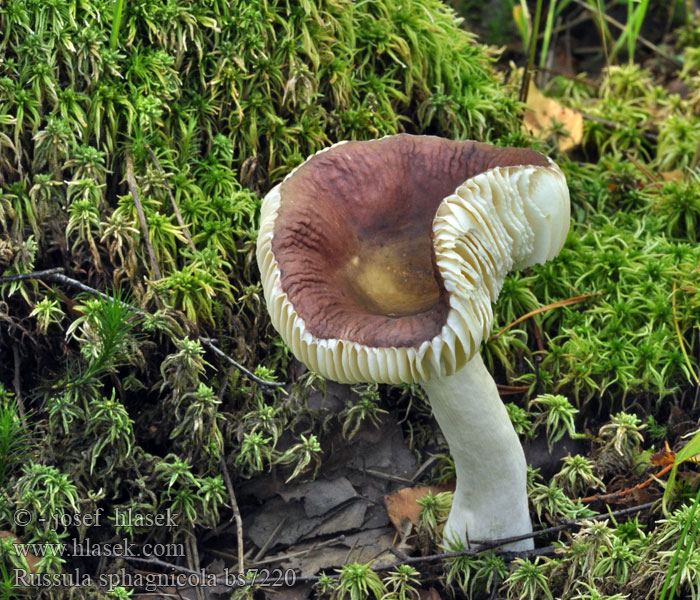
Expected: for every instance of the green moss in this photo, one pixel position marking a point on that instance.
(221, 93)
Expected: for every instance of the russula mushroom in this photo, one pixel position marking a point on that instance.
(380, 261)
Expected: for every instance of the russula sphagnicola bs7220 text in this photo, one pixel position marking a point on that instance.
(380, 262)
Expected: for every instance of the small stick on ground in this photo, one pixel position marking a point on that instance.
(131, 181)
(33, 275)
(193, 557)
(650, 135)
(299, 553)
(424, 467)
(647, 172)
(209, 343)
(271, 538)
(236, 514)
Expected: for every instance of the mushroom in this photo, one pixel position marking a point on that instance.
(380, 261)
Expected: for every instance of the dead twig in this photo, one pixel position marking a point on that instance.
(192, 556)
(300, 553)
(424, 467)
(380, 475)
(236, 514)
(56, 276)
(646, 171)
(650, 135)
(271, 538)
(131, 181)
(209, 343)
(32, 275)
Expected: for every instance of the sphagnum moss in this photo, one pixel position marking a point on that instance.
(220, 92)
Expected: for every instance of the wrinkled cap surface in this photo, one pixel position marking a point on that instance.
(380, 260)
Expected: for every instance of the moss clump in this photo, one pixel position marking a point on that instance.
(205, 98)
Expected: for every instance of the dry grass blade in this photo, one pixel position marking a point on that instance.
(545, 308)
(176, 209)
(131, 180)
(236, 515)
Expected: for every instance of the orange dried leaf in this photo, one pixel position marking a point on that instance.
(663, 457)
(542, 115)
(403, 504)
(675, 175)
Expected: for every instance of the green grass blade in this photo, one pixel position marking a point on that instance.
(630, 34)
(116, 23)
(531, 57)
(521, 16)
(691, 449)
(686, 550)
(547, 37)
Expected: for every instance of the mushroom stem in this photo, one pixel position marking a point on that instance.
(490, 501)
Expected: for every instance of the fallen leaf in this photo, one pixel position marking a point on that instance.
(663, 457)
(320, 496)
(403, 504)
(309, 558)
(543, 113)
(675, 175)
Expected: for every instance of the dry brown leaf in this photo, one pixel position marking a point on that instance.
(403, 504)
(675, 175)
(543, 112)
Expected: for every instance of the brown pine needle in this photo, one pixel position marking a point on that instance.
(510, 390)
(627, 492)
(545, 308)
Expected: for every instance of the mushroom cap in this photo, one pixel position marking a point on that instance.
(380, 260)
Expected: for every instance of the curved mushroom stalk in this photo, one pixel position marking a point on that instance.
(490, 501)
